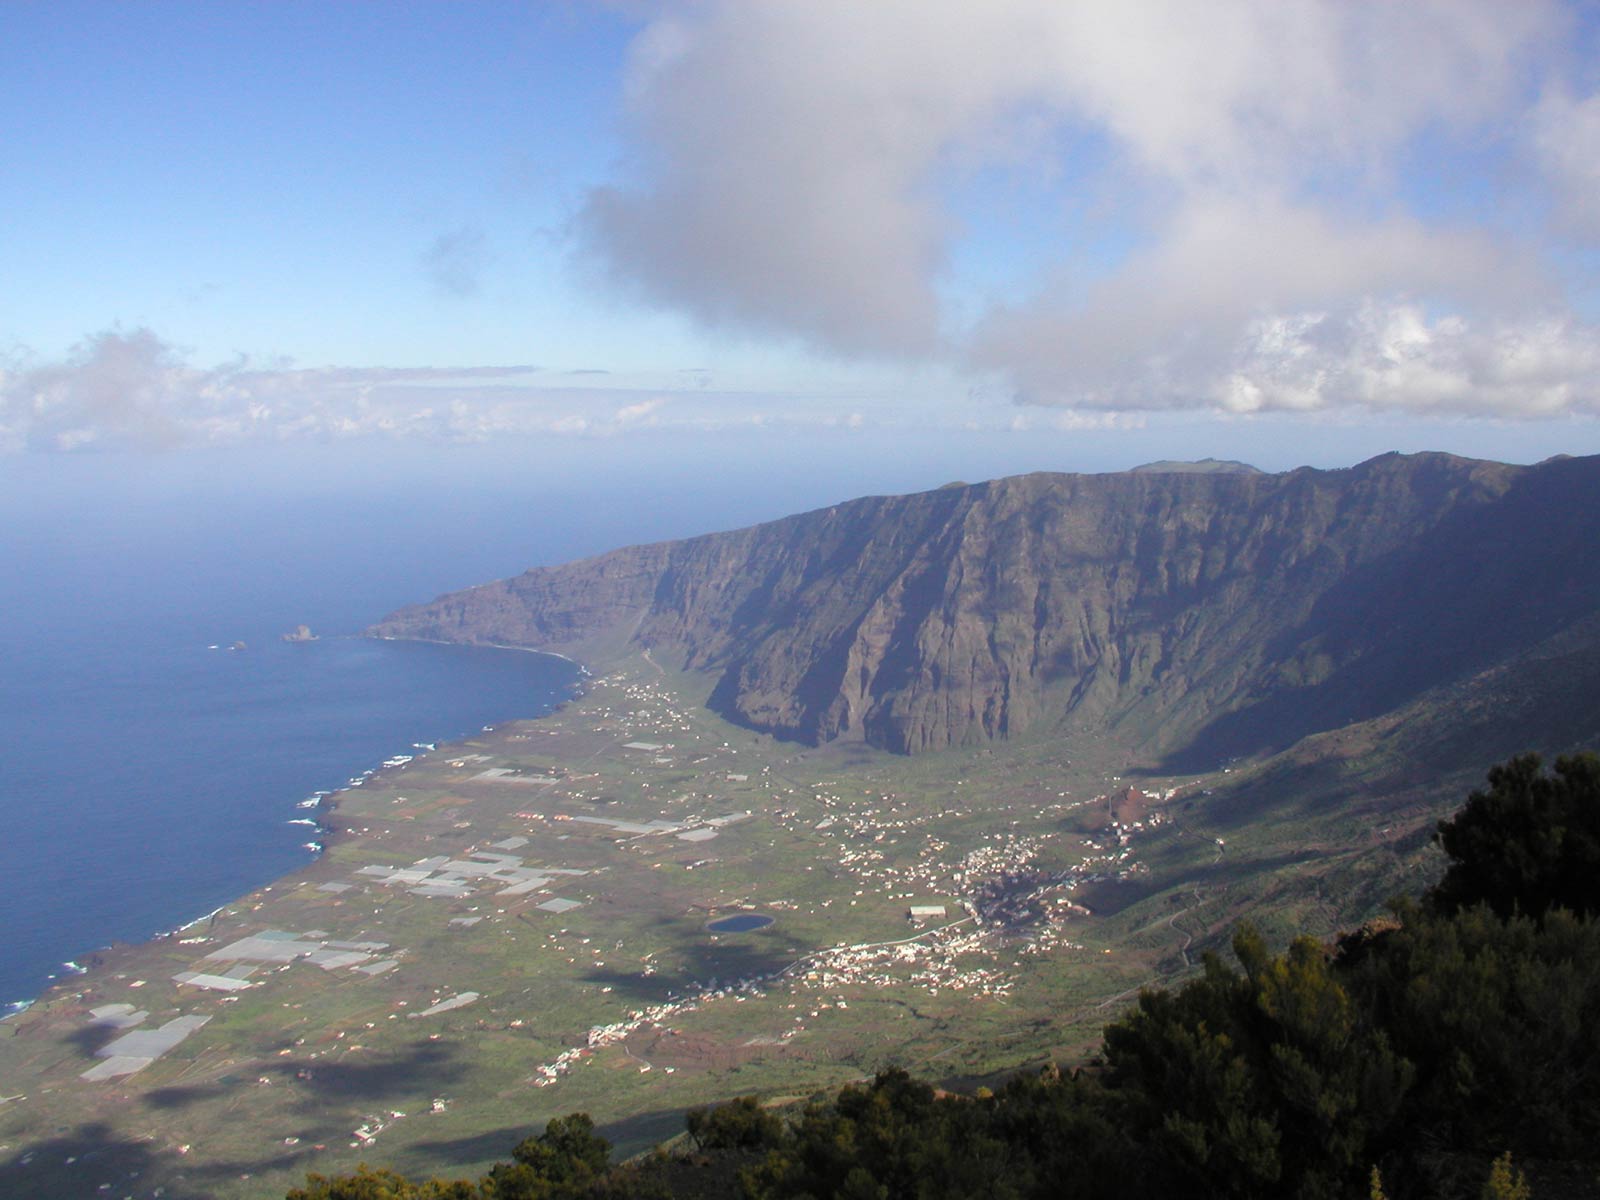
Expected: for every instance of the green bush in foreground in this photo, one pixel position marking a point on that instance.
(368, 1184)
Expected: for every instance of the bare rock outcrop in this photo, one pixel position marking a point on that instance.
(1223, 612)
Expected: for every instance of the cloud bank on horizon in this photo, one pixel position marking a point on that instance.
(133, 390)
(1076, 213)
(1318, 205)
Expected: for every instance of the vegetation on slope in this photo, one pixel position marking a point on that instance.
(1433, 1054)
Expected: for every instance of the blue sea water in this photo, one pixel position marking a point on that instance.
(149, 783)
(146, 778)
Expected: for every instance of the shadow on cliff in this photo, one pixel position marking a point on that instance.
(1492, 582)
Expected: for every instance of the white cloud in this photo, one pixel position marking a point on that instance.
(1155, 334)
(779, 161)
(1566, 140)
(119, 390)
(631, 414)
(792, 163)
(131, 390)
(1392, 356)
(1073, 421)
(116, 388)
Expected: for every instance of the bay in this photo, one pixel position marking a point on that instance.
(149, 782)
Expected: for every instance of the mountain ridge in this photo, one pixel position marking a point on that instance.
(1196, 466)
(1197, 614)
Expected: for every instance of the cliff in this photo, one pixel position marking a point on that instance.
(1207, 612)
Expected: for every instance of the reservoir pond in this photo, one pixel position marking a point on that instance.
(739, 923)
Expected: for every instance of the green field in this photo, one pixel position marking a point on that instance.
(626, 1006)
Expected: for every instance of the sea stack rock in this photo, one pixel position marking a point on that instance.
(302, 633)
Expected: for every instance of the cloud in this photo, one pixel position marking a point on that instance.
(1157, 333)
(455, 261)
(1393, 356)
(1566, 139)
(115, 388)
(368, 376)
(132, 390)
(631, 414)
(780, 149)
(121, 390)
(793, 167)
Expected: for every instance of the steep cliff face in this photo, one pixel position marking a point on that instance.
(1224, 612)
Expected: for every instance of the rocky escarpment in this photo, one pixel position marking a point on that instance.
(1220, 612)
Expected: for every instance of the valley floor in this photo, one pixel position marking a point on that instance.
(517, 926)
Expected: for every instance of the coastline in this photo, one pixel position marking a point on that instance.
(387, 637)
(326, 829)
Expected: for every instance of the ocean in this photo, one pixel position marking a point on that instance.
(147, 784)
(149, 772)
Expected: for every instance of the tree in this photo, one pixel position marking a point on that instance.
(740, 1124)
(1499, 1017)
(368, 1184)
(1528, 844)
(895, 1139)
(1270, 1083)
(1506, 1182)
(566, 1160)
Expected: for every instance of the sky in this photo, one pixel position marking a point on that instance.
(996, 236)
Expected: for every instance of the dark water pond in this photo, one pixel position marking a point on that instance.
(739, 923)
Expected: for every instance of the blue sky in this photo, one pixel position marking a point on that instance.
(268, 179)
(1293, 227)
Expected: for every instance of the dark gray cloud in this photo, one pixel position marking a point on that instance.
(455, 261)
